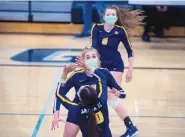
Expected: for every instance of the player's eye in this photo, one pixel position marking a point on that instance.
(94, 57)
(113, 14)
(108, 14)
(87, 58)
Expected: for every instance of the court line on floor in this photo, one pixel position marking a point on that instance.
(51, 92)
(46, 104)
(38, 114)
(56, 66)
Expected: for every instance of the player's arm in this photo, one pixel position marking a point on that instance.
(94, 37)
(63, 87)
(125, 40)
(61, 97)
(111, 83)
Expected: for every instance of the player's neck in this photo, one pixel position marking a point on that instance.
(108, 28)
(89, 74)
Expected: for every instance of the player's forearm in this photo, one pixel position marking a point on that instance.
(57, 103)
(130, 63)
(64, 75)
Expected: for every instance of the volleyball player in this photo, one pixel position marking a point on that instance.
(106, 38)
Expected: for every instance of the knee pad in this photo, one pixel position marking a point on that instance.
(114, 103)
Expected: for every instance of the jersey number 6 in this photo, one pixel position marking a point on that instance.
(99, 117)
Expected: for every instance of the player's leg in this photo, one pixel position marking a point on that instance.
(120, 108)
(71, 126)
(70, 130)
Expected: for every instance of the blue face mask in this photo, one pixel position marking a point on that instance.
(110, 20)
(93, 63)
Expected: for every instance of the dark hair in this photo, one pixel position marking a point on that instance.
(131, 20)
(89, 98)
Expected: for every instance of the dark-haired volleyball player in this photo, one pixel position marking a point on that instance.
(105, 38)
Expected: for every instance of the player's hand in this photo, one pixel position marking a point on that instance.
(115, 92)
(80, 62)
(69, 68)
(55, 122)
(129, 76)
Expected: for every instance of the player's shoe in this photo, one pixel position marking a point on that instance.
(131, 132)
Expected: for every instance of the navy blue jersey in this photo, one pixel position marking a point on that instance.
(79, 112)
(102, 119)
(107, 44)
(77, 79)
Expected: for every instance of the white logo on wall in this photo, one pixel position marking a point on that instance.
(64, 56)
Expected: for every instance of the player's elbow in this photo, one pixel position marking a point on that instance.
(60, 93)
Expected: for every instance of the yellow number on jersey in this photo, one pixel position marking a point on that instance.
(104, 41)
(99, 117)
(94, 86)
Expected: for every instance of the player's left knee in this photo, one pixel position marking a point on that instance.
(114, 103)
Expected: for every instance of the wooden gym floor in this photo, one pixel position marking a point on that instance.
(155, 97)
